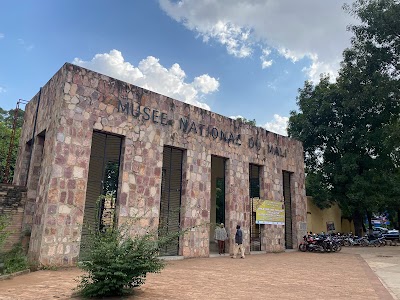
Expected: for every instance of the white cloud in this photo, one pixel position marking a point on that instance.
(272, 85)
(150, 74)
(265, 62)
(2, 35)
(27, 46)
(292, 55)
(206, 84)
(233, 37)
(2, 90)
(312, 29)
(236, 117)
(317, 68)
(278, 125)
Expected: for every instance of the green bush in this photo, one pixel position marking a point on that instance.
(117, 263)
(15, 260)
(4, 222)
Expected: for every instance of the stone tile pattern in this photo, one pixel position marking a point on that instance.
(44, 195)
(79, 101)
(12, 203)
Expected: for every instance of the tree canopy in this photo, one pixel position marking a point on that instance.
(350, 128)
(6, 131)
(246, 121)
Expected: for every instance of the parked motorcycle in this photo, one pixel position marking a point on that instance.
(320, 243)
(313, 244)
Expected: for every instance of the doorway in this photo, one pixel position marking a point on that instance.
(288, 210)
(254, 192)
(102, 186)
(170, 204)
(217, 212)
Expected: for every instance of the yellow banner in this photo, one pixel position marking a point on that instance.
(269, 212)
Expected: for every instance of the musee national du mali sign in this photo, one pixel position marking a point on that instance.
(269, 212)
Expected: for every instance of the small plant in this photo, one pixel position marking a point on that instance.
(4, 222)
(117, 262)
(4, 233)
(15, 260)
(26, 231)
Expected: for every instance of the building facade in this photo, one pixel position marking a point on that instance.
(175, 165)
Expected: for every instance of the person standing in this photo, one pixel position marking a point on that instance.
(238, 242)
(220, 237)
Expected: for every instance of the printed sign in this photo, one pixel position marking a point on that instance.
(269, 212)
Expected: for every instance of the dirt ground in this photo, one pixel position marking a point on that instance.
(290, 275)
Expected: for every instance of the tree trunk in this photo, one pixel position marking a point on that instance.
(391, 218)
(358, 223)
(369, 217)
(398, 218)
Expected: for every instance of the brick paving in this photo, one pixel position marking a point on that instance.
(385, 262)
(291, 275)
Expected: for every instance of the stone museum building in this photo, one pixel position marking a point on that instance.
(166, 164)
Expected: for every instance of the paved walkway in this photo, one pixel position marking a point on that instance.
(293, 275)
(385, 262)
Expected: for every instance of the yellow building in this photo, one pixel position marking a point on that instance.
(326, 220)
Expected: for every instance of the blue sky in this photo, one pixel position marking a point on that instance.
(237, 58)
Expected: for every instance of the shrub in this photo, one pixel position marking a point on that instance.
(4, 222)
(15, 260)
(116, 263)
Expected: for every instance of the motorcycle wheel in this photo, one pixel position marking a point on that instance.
(346, 243)
(303, 247)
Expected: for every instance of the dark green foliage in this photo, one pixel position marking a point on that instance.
(117, 263)
(4, 222)
(7, 117)
(245, 121)
(376, 38)
(111, 177)
(318, 187)
(6, 129)
(220, 200)
(350, 128)
(15, 260)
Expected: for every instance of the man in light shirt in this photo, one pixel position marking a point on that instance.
(220, 237)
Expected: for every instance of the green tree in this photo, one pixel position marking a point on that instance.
(246, 121)
(349, 128)
(8, 116)
(6, 132)
(376, 38)
(372, 65)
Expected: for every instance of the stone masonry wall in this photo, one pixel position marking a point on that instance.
(82, 101)
(39, 132)
(12, 202)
